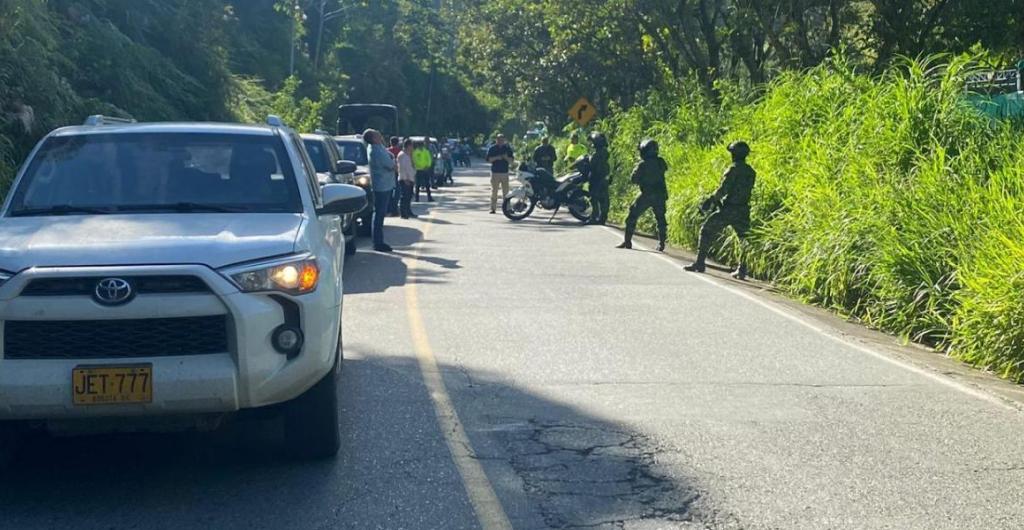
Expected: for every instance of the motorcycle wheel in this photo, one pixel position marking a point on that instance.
(579, 207)
(517, 208)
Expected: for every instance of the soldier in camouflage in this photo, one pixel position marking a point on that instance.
(649, 174)
(732, 204)
(600, 179)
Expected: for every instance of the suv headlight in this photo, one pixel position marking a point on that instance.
(4, 276)
(296, 275)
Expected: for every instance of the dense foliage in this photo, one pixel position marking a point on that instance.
(554, 51)
(885, 197)
(61, 60)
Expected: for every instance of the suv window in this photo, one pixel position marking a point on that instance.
(158, 172)
(311, 176)
(317, 150)
(354, 151)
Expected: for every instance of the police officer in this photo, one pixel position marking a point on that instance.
(649, 174)
(599, 179)
(732, 202)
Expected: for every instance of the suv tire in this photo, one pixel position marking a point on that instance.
(312, 427)
(10, 436)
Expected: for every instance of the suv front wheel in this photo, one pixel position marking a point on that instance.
(312, 427)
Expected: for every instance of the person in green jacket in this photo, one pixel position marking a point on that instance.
(423, 162)
(649, 174)
(732, 204)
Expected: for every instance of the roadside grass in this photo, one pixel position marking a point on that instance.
(888, 199)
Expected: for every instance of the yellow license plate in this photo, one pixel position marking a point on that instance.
(111, 385)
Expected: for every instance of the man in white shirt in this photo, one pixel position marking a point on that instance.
(406, 179)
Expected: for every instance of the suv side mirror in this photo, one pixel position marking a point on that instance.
(346, 166)
(342, 199)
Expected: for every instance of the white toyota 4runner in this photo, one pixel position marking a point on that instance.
(166, 273)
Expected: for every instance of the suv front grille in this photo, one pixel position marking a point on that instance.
(96, 339)
(84, 286)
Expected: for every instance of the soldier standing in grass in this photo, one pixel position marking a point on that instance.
(649, 174)
(732, 202)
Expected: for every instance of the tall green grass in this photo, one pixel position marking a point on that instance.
(887, 198)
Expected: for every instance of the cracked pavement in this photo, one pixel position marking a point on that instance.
(599, 388)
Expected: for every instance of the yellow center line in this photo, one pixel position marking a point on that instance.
(489, 511)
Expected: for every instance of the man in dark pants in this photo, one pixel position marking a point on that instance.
(649, 174)
(599, 180)
(382, 173)
(732, 200)
(544, 155)
(423, 161)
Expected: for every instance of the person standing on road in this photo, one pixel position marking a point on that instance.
(500, 156)
(732, 204)
(575, 149)
(382, 173)
(449, 164)
(406, 179)
(423, 161)
(649, 174)
(544, 155)
(395, 148)
(600, 180)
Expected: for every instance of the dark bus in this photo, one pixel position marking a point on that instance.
(356, 118)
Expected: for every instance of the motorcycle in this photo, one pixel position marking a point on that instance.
(540, 188)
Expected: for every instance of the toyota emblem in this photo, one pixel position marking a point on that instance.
(113, 291)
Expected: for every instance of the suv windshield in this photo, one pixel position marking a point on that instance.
(353, 151)
(157, 172)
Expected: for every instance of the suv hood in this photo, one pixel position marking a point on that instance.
(214, 239)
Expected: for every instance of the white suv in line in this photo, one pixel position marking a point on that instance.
(162, 275)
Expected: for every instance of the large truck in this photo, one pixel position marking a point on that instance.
(998, 93)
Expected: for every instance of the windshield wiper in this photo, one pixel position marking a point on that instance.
(186, 207)
(61, 209)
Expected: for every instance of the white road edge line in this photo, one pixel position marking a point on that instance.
(828, 333)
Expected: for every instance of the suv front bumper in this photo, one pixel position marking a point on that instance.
(248, 374)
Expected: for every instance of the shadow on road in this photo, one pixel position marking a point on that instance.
(551, 465)
(374, 272)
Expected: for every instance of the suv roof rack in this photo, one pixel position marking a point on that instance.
(274, 120)
(321, 131)
(97, 120)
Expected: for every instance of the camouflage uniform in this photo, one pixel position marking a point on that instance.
(649, 174)
(599, 183)
(733, 200)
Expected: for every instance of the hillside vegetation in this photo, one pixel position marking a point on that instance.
(223, 60)
(885, 197)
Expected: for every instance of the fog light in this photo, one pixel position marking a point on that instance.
(287, 340)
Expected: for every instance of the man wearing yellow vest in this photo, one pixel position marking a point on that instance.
(575, 149)
(423, 161)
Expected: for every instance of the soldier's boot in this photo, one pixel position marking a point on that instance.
(741, 272)
(662, 237)
(628, 242)
(698, 264)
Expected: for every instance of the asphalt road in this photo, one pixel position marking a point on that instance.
(579, 386)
